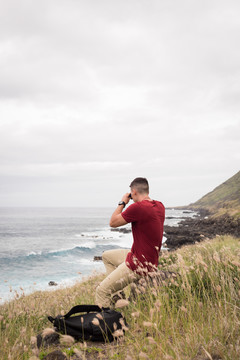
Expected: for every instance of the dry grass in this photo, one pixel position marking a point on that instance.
(195, 315)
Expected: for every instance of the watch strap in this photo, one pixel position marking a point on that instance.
(122, 203)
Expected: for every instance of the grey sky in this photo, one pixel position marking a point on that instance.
(95, 93)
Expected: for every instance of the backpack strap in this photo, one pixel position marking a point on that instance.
(82, 308)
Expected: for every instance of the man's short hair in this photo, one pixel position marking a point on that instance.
(141, 185)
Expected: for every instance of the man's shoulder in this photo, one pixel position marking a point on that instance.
(160, 206)
(133, 206)
(152, 206)
(159, 203)
(151, 203)
(146, 205)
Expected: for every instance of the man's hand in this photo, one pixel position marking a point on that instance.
(116, 218)
(126, 198)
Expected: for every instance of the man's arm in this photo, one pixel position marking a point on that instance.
(116, 218)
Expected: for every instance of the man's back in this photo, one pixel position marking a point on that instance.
(147, 218)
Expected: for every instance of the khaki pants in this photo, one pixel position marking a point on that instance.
(118, 276)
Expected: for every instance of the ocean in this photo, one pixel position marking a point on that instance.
(39, 245)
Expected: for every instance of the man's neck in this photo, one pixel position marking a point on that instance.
(142, 197)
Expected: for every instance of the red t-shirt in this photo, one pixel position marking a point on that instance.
(147, 218)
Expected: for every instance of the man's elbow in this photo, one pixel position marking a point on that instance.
(112, 224)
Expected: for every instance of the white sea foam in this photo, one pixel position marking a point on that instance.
(34, 253)
(100, 234)
(87, 235)
(87, 244)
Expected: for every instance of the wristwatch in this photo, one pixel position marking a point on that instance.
(122, 203)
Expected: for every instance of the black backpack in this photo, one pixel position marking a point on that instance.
(95, 325)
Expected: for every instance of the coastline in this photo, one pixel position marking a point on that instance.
(56, 245)
(204, 226)
(190, 226)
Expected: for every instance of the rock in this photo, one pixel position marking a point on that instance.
(194, 230)
(97, 258)
(175, 217)
(122, 230)
(55, 355)
(52, 283)
(48, 340)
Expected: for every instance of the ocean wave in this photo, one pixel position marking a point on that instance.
(63, 252)
(81, 251)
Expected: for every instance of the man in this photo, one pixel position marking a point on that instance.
(124, 266)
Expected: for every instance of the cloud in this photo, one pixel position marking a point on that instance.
(99, 92)
(61, 169)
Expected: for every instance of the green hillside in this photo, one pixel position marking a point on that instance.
(224, 199)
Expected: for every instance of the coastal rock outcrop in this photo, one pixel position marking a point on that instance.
(191, 230)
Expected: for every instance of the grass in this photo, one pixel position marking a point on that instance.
(194, 315)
